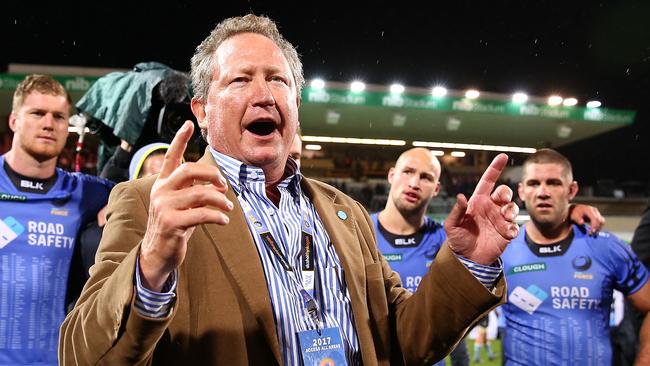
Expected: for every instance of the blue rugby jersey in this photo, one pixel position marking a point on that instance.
(409, 259)
(412, 260)
(37, 239)
(559, 298)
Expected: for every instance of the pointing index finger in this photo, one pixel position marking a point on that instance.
(174, 155)
(491, 175)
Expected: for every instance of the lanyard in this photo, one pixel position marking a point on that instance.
(306, 253)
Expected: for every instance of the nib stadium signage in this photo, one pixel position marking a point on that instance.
(450, 103)
(71, 83)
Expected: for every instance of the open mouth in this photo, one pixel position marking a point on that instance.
(261, 128)
(411, 196)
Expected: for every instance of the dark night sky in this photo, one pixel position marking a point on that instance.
(586, 49)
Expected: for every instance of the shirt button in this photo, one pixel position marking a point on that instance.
(253, 175)
(270, 211)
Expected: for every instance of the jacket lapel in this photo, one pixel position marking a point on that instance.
(340, 226)
(237, 248)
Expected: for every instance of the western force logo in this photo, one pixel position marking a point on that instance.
(529, 267)
(10, 228)
(581, 263)
(528, 299)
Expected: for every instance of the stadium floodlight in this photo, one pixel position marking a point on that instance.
(570, 102)
(472, 94)
(519, 98)
(453, 145)
(439, 91)
(317, 83)
(593, 104)
(357, 86)
(458, 154)
(438, 153)
(555, 100)
(353, 140)
(397, 89)
(313, 147)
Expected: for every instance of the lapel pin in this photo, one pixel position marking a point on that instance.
(342, 215)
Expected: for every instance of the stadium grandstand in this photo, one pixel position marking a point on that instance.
(353, 132)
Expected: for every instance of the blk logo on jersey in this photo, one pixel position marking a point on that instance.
(37, 186)
(405, 242)
(550, 249)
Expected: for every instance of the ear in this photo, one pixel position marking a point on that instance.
(198, 108)
(436, 190)
(573, 190)
(13, 121)
(391, 173)
(298, 100)
(520, 190)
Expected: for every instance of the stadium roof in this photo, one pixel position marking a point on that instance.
(417, 115)
(414, 114)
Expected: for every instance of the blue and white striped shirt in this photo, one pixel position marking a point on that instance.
(284, 223)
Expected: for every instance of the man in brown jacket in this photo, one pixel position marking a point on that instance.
(238, 259)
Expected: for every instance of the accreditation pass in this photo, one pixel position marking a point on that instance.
(324, 349)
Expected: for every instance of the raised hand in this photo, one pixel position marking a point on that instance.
(480, 229)
(177, 205)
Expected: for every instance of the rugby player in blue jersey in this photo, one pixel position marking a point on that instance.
(560, 279)
(41, 210)
(408, 239)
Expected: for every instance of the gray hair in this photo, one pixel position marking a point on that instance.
(202, 61)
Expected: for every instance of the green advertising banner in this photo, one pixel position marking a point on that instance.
(424, 101)
(71, 83)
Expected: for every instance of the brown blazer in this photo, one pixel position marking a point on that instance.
(222, 314)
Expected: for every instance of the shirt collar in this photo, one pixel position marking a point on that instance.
(240, 174)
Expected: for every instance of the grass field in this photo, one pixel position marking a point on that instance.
(496, 348)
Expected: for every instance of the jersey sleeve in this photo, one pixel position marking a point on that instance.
(95, 195)
(630, 273)
(438, 237)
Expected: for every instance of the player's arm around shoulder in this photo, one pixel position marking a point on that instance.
(95, 329)
(633, 277)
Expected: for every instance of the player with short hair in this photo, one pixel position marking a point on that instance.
(42, 208)
(560, 279)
